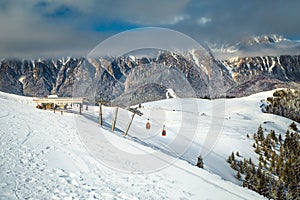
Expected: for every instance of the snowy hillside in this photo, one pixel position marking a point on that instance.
(46, 155)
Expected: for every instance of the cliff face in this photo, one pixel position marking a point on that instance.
(254, 74)
(57, 76)
(127, 80)
(27, 77)
(285, 68)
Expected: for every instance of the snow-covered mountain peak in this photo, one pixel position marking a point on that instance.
(248, 41)
(263, 39)
(264, 45)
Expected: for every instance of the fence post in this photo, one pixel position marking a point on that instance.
(126, 132)
(114, 119)
(100, 113)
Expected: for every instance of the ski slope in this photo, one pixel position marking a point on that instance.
(213, 129)
(46, 155)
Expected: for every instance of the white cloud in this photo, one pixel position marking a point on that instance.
(175, 19)
(203, 21)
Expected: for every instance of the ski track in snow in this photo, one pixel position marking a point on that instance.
(43, 156)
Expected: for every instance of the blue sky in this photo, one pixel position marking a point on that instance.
(57, 27)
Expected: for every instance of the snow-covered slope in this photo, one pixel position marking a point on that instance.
(211, 128)
(52, 156)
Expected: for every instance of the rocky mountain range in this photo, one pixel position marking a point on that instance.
(128, 80)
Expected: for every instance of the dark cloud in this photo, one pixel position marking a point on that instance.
(235, 19)
(64, 27)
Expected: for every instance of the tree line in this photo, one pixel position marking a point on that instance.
(285, 103)
(277, 174)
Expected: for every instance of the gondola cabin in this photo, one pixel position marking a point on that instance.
(164, 132)
(148, 125)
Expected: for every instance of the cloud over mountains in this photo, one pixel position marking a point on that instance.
(65, 27)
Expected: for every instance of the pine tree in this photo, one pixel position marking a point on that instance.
(280, 138)
(273, 193)
(233, 165)
(255, 136)
(273, 136)
(200, 162)
(253, 170)
(296, 167)
(293, 190)
(259, 170)
(250, 161)
(262, 185)
(248, 174)
(268, 186)
(245, 184)
(265, 164)
(257, 149)
(280, 192)
(293, 126)
(241, 166)
(287, 139)
(238, 175)
(272, 164)
(232, 156)
(245, 164)
(260, 133)
(281, 151)
(229, 160)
